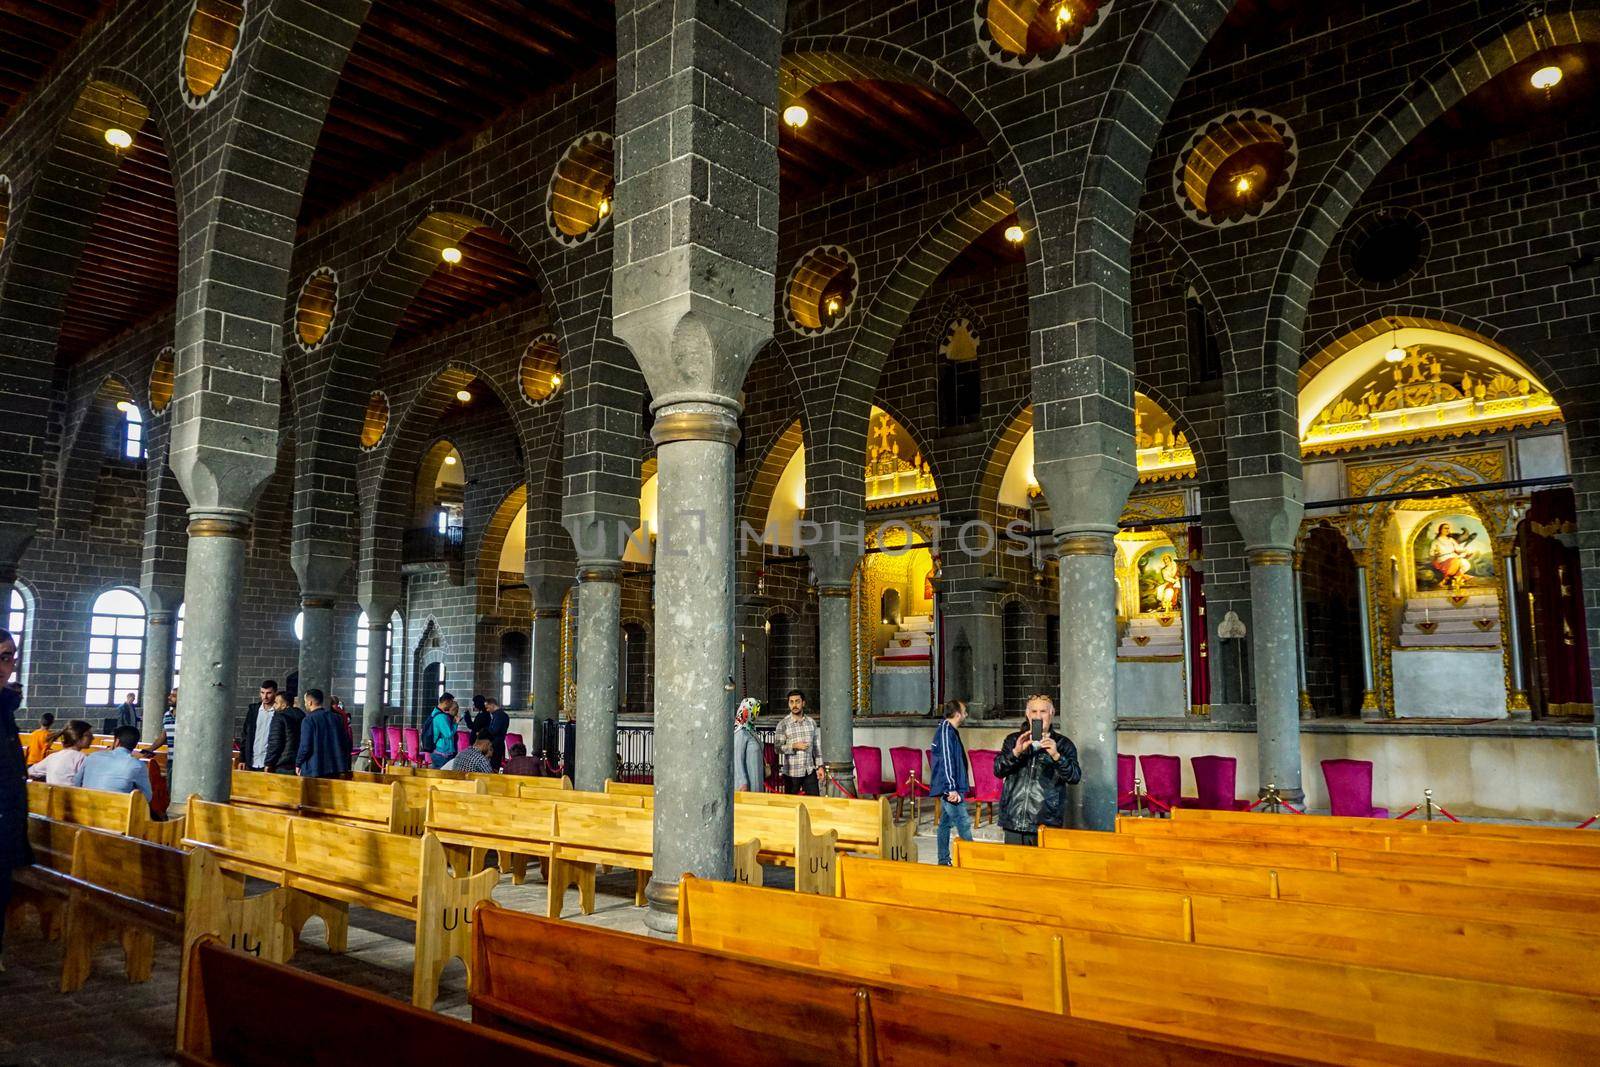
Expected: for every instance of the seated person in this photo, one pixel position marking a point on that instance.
(38, 743)
(117, 770)
(475, 757)
(63, 766)
(519, 762)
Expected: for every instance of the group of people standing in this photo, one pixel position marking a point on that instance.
(486, 729)
(280, 738)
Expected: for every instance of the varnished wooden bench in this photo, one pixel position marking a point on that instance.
(1261, 1002)
(1414, 867)
(1552, 835)
(1565, 911)
(243, 1012)
(371, 805)
(1508, 951)
(328, 866)
(551, 981)
(111, 887)
(1316, 831)
(118, 813)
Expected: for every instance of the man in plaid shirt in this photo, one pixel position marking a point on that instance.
(797, 739)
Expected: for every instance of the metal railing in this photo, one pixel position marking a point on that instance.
(636, 750)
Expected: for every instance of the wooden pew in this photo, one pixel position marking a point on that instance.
(333, 865)
(372, 805)
(243, 1012)
(1260, 1002)
(1564, 911)
(550, 981)
(1459, 870)
(1513, 953)
(1315, 831)
(111, 887)
(1553, 835)
(866, 826)
(118, 813)
(578, 796)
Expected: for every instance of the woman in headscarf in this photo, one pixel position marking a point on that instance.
(14, 850)
(746, 747)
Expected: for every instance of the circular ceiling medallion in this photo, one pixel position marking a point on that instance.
(541, 369)
(209, 48)
(314, 311)
(376, 421)
(1384, 248)
(1234, 168)
(1024, 33)
(821, 290)
(578, 202)
(162, 378)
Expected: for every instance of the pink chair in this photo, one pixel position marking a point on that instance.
(985, 786)
(396, 747)
(411, 749)
(512, 739)
(1350, 788)
(463, 740)
(1126, 769)
(869, 771)
(1216, 780)
(380, 751)
(1163, 780)
(908, 781)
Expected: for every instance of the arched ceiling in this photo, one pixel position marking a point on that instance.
(491, 274)
(34, 35)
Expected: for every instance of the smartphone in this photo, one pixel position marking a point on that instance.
(1036, 728)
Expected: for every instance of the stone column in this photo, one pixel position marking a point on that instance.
(1088, 597)
(1300, 634)
(1369, 694)
(321, 568)
(1516, 696)
(835, 564)
(160, 633)
(544, 677)
(1267, 510)
(695, 645)
(599, 628)
(213, 582)
(377, 664)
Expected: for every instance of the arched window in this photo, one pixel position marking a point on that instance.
(506, 671)
(300, 626)
(132, 431)
(17, 619)
(363, 642)
(116, 648)
(177, 646)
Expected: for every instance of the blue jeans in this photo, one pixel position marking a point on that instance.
(438, 759)
(955, 815)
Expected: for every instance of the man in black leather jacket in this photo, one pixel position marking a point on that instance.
(1035, 776)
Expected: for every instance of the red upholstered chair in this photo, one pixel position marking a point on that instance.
(1126, 770)
(380, 748)
(985, 786)
(869, 771)
(512, 739)
(1163, 780)
(463, 739)
(908, 779)
(1216, 780)
(769, 760)
(1350, 788)
(396, 749)
(411, 749)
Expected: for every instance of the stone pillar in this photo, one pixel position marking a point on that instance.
(160, 633)
(599, 628)
(835, 564)
(1088, 597)
(544, 677)
(213, 582)
(321, 568)
(1516, 696)
(377, 664)
(1300, 634)
(694, 266)
(695, 665)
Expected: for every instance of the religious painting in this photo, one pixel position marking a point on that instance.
(1160, 587)
(1451, 553)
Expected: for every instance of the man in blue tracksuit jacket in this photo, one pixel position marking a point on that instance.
(948, 758)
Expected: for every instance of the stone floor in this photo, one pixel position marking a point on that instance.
(109, 1023)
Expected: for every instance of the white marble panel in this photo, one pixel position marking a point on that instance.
(1150, 688)
(1449, 683)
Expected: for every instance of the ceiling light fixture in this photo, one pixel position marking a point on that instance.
(1242, 185)
(449, 461)
(796, 116)
(555, 382)
(118, 138)
(1014, 234)
(1064, 16)
(1396, 354)
(450, 254)
(1546, 78)
(463, 395)
(833, 305)
(604, 207)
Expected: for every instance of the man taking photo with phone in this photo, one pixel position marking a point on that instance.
(1035, 765)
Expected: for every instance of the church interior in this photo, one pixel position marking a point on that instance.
(1215, 372)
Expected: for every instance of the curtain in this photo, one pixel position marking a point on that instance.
(1553, 590)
